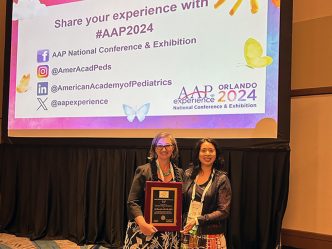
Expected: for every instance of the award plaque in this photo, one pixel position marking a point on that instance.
(163, 205)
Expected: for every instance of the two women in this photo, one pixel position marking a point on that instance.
(206, 197)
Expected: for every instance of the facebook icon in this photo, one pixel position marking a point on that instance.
(42, 88)
(43, 55)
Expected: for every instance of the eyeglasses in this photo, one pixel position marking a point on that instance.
(164, 146)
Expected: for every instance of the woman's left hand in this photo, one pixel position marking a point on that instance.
(188, 226)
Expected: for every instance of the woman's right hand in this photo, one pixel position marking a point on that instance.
(188, 226)
(146, 228)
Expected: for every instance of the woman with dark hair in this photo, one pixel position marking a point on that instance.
(206, 198)
(161, 167)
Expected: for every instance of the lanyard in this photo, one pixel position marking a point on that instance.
(162, 174)
(205, 190)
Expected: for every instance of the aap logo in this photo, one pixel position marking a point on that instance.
(196, 92)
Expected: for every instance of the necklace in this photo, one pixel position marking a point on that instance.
(165, 173)
(162, 174)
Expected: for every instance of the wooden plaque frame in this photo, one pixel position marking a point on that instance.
(163, 205)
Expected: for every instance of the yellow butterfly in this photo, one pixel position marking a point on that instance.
(24, 84)
(253, 52)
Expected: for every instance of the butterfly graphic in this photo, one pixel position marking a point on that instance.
(24, 84)
(140, 113)
(253, 53)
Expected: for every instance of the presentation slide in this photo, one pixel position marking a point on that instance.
(101, 68)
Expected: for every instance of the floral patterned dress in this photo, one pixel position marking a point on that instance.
(136, 239)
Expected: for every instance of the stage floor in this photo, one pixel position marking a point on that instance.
(9, 241)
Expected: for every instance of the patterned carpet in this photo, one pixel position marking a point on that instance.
(8, 241)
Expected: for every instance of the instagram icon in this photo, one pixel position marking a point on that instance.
(42, 71)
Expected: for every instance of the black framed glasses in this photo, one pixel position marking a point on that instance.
(164, 146)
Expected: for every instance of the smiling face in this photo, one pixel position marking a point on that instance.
(164, 148)
(207, 154)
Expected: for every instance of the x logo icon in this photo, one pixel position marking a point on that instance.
(42, 104)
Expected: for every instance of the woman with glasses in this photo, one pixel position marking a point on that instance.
(161, 167)
(206, 198)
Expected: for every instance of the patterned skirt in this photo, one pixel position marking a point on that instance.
(210, 241)
(135, 239)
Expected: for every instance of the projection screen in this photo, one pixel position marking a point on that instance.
(100, 68)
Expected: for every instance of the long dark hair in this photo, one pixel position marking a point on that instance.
(196, 164)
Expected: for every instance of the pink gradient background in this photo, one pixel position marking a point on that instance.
(229, 121)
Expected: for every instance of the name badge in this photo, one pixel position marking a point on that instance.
(195, 210)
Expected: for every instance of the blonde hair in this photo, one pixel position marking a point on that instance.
(153, 154)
